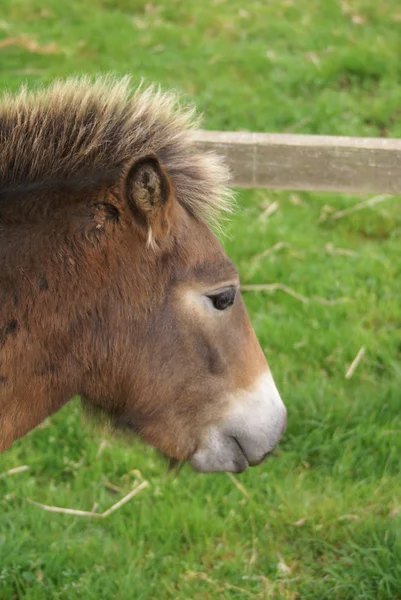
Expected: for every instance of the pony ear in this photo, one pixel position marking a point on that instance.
(149, 192)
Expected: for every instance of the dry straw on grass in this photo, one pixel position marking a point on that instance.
(14, 471)
(328, 214)
(90, 514)
(239, 486)
(29, 44)
(272, 287)
(361, 205)
(353, 366)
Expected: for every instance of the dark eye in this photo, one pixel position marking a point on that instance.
(224, 299)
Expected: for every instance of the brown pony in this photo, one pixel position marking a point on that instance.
(112, 285)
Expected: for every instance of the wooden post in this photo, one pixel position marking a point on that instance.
(308, 162)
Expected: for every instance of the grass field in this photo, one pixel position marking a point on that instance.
(321, 519)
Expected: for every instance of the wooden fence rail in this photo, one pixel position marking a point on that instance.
(308, 162)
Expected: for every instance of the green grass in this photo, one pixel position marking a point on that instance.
(323, 518)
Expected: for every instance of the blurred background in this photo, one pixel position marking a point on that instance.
(322, 517)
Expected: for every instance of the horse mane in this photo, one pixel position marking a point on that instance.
(80, 132)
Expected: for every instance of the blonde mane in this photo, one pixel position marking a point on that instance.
(82, 131)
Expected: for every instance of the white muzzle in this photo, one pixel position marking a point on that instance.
(251, 429)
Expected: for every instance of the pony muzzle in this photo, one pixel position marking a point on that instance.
(250, 430)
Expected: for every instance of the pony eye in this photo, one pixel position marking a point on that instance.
(224, 299)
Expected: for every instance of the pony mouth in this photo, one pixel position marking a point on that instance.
(227, 453)
(243, 463)
(226, 456)
(252, 463)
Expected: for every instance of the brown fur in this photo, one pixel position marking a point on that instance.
(88, 179)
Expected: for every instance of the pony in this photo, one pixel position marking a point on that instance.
(113, 284)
